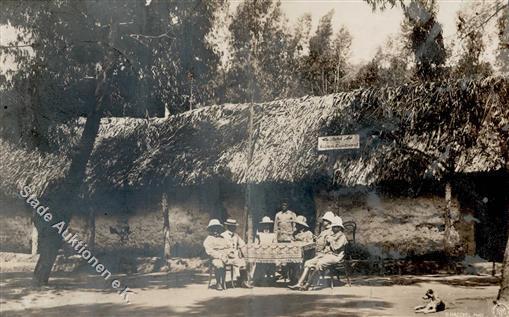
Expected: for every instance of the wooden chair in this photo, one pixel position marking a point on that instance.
(346, 266)
(338, 269)
(227, 267)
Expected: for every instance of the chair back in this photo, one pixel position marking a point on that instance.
(350, 230)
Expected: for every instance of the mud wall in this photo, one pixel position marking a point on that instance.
(387, 225)
(190, 211)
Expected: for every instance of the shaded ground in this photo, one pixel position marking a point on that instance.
(186, 294)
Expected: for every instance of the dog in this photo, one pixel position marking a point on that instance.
(433, 304)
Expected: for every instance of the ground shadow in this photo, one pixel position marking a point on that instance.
(166, 280)
(16, 285)
(294, 304)
(96, 310)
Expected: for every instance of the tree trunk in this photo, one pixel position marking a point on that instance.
(50, 243)
(91, 229)
(503, 294)
(68, 190)
(166, 227)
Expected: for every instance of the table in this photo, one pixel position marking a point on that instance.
(279, 253)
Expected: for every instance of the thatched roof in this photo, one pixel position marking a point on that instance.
(407, 133)
(430, 130)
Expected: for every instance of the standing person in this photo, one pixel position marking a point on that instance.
(284, 223)
(302, 232)
(237, 251)
(332, 254)
(217, 248)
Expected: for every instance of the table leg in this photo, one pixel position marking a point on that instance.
(252, 268)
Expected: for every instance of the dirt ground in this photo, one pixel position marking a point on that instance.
(186, 294)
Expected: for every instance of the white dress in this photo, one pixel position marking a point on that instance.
(266, 237)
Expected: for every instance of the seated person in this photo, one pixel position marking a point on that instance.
(217, 248)
(332, 254)
(265, 235)
(237, 251)
(265, 271)
(327, 219)
(302, 232)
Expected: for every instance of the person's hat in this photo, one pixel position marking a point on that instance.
(329, 216)
(337, 222)
(214, 223)
(230, 222)
(301, 220)
(266, 220)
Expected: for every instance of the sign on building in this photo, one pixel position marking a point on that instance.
(338, 142)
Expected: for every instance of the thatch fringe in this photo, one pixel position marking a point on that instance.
(21, 167)
(407, 133)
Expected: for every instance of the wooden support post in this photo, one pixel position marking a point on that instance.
(166, 227)
(248, 212)
(318, 225)
(248, 216)
(35, 240)
(91, 229)
(447, 218)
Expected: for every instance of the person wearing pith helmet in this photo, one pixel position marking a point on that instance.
(302, 232)
(238, 250)
(332, 254)
(303, 235)
(327, 219)
(217, 248)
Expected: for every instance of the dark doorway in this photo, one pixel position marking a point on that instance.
(269, 197)
(488, 195)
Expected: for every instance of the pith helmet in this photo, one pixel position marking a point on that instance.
(337, 222)
(301, 220)
(329, 216)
